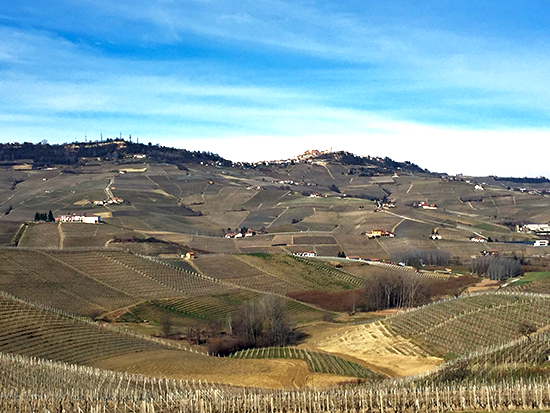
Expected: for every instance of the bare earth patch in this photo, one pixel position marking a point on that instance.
(188, 366)
(485, 285)
(374, 346)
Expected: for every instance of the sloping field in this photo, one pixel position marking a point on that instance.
(8, 230)
(189, 283)
(470, 323)
(527, 355)
(38, 277)
(76, 234)
(231, 268)
(313, 239)
(538, 282)
(316, 362)
(252, 373)
(213, 244)
(380, 350)
(209, 307)
(32, 331)
(44, 234)
(305, 274)
(115, 274)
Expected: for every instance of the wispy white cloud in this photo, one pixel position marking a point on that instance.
(293, 74)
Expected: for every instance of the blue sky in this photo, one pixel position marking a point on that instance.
(454, 86)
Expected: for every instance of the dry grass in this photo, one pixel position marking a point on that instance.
(376, 347)
(252, 373)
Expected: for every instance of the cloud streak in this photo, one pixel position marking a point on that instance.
(393, 78)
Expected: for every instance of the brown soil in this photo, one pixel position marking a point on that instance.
(485, 285)
(187, 366)
(373, 346)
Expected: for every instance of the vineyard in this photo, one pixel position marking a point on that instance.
(465, 324)
(30, 385)
(94, 282)
(539, 284)
(209, 307)
(527, 356)
(305, 274)
(36, 331)
(316, 362)
(40, 278)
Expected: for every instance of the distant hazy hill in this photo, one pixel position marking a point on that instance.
(71, 154)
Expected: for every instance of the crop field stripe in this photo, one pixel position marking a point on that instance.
(352, 279)
(491, 319)
(316, 362)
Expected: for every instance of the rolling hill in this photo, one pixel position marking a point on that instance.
(82, 304)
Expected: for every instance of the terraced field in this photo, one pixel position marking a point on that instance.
(467, 324)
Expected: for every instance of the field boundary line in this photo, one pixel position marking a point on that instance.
(86, 274)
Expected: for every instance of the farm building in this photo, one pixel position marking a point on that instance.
(541, 243)
(478, 238)
(305, 254)
(379, 233)
(86, 219)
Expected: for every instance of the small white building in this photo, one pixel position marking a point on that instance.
(305, 254)
(541, 243)
(86, 219)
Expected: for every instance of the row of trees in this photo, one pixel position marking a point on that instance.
(418, 258)
(395, 289)
(496, 268)
(44, 216)
(45, 154)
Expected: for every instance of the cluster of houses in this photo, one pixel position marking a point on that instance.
(375, 233)
(86, 219)
(111, 201)
(248, 233)
(536, 243)
(385, 204)
(285, 182)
